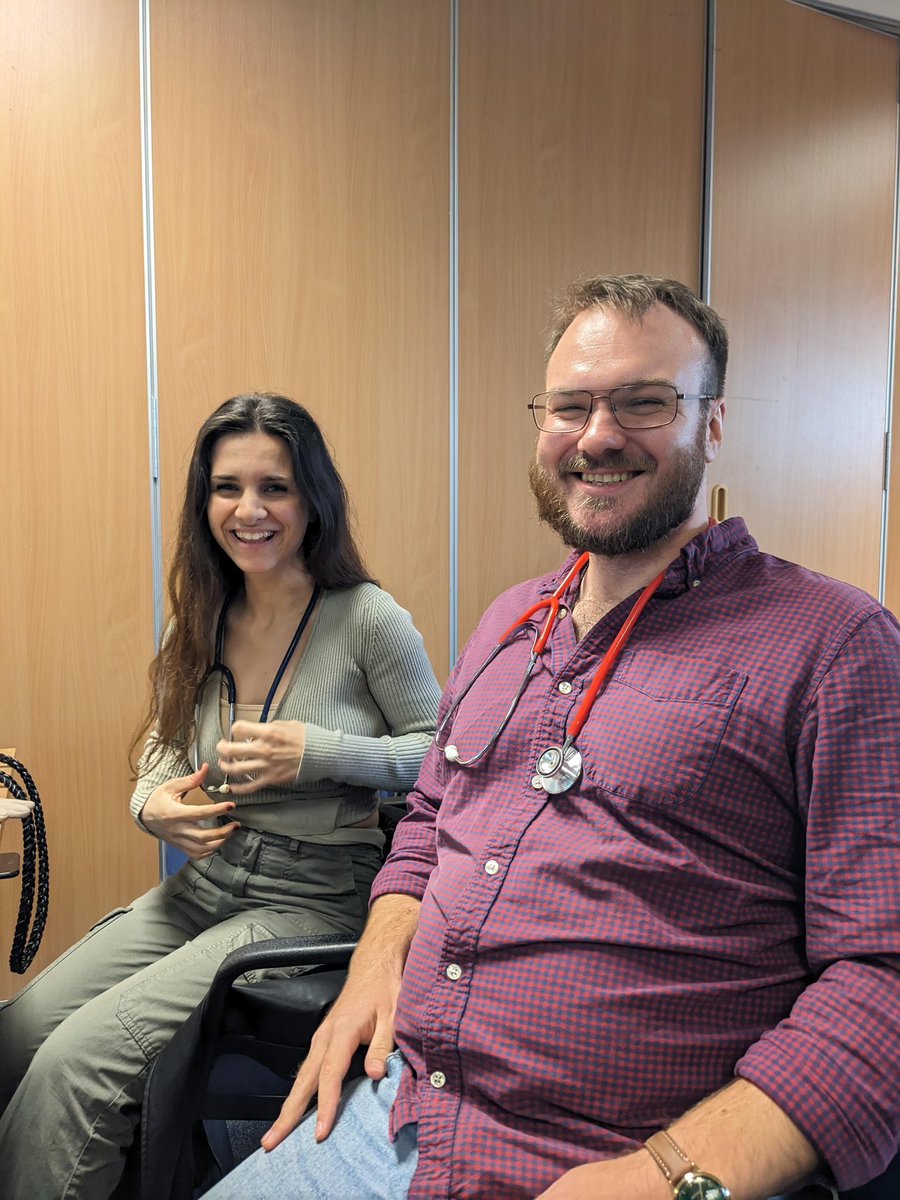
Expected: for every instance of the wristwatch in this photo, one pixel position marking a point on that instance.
(687, 1180)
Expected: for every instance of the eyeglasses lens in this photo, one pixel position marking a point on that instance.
(644, 406)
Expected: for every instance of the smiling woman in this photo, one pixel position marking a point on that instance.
(255, 511)
(291, 684)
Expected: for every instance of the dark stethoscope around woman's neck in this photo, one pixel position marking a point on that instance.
(558, 767)
(219, 668)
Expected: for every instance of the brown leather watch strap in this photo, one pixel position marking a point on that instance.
(669, 1157)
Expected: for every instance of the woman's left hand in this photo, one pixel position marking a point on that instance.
(269, 754)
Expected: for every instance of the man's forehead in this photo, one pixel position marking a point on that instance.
(603, 337)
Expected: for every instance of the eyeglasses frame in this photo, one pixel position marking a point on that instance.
(679, 396)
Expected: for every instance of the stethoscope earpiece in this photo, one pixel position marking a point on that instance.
(451, 754)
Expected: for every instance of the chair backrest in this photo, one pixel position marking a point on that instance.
(228, 1021)
(885, 1187)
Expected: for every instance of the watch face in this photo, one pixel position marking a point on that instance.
(695, 1185)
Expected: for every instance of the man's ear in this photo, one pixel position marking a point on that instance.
(715, 419)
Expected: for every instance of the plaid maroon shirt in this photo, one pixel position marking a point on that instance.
(717, 895)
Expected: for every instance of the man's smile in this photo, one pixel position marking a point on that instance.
(607, 477)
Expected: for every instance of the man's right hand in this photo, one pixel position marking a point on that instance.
(363, 1015)
(358, 1018)
(181, 825)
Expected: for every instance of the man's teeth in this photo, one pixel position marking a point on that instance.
(611, 477)
(244, 535)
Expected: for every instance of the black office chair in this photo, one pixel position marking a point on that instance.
(233, 1059)
(885, 1187)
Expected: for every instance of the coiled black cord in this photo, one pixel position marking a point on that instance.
(35, 867)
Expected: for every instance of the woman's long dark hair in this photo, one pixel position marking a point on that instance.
(202, 574)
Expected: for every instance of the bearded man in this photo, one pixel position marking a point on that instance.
(638, 936)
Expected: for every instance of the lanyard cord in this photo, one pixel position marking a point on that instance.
(35, 866)
(298, 634)
(279, 674)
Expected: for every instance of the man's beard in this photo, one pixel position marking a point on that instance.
(663, 511)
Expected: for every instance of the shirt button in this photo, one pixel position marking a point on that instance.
(454, 971)
(562, 612)
(536, 782)
(438, 1079)
(491, 867)
(565, 687)
(695, 583)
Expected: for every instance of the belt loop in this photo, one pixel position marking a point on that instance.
(250, 852)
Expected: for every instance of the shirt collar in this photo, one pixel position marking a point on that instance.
(708, 552)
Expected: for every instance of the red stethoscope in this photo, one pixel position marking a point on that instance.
(558, 767)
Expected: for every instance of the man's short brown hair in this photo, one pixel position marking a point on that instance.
(633, 296)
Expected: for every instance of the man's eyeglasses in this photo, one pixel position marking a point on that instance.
(638, 406)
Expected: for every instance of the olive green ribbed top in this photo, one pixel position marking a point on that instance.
(366, 691)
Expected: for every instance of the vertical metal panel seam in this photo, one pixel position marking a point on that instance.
(709, 117)
(454, 335)
(891, 374)
(150, 322)
(150, 318)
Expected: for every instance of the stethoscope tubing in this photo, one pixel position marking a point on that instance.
(470, 762)
(559, 763)
(220, 668)
(610, 658)
(552, 603)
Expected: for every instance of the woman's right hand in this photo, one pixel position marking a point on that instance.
(181, 825)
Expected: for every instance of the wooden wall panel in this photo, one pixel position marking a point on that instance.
(892, 555)
(302, 194)
(301, 162)
(580, 136)
(75, 607)
(804, 172)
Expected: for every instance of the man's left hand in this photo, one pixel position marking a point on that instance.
(633, 1175)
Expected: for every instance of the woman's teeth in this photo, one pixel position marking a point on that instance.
(261, 536)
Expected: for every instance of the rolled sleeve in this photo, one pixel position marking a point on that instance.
(832, 1065)
(154, 769)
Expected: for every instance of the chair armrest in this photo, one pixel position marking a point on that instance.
(323, 949)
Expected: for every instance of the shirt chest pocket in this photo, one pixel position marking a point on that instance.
(655, 732)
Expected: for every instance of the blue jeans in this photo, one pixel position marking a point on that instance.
(357, 1161)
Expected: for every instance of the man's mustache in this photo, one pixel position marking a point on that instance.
(611, 462)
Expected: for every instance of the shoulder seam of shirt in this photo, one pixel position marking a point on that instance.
(848, 630)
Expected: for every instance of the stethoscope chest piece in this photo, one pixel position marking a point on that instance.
(559, 768)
